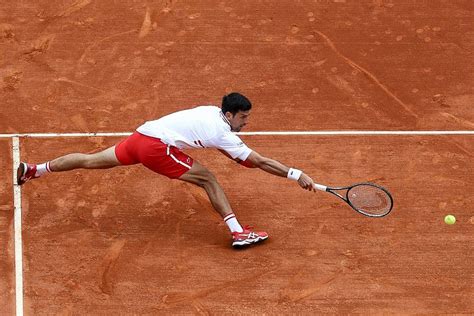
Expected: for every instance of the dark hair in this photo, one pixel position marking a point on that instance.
(235, 102)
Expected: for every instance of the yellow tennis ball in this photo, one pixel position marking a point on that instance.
(450, 219)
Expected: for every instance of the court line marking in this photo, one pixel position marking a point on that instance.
(358, 133)
(17, 229)
(263, 133)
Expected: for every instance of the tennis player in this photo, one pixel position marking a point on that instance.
(158, 144)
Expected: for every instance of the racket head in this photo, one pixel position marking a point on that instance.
(369, 199)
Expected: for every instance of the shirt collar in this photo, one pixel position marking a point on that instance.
(225, 119)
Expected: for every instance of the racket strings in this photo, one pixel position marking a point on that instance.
(369, 199)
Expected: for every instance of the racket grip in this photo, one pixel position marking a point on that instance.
(320, 187)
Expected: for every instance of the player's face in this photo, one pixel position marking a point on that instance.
(239, 120)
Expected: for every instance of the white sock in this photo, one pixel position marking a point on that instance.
(233, 224)
(42, 169)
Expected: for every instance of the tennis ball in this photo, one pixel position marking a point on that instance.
(450, 219)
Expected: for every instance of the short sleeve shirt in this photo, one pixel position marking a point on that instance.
(200, 127)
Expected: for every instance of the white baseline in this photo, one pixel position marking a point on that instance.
(18, 230)
(262, 133)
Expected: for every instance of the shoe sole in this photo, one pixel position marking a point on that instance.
(19, 173)
(246, 243)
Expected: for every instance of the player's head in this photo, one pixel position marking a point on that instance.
(236, 108)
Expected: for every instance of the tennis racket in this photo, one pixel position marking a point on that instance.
(367, 198)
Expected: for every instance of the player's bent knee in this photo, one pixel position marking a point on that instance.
(205, 178)
(199, 175)
(209, 178)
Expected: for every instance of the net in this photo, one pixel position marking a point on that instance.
(370, 199)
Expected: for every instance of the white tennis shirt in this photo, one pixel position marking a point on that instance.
(200, 127)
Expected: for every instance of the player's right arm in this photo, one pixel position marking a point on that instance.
(244, 163)
(231, 145)
(277, 168)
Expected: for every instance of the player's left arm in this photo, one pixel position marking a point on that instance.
(277, 168)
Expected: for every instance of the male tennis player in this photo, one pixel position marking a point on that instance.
(157, 145)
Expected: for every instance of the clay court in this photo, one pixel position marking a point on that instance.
(126, 241)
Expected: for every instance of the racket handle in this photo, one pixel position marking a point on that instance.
(320, 187)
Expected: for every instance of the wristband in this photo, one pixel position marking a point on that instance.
(294, 174)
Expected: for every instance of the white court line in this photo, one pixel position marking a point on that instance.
(358, 133)
(46, 135)
(18, 230)
(263, 133)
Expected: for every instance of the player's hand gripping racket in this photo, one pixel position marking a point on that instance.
(366, 198)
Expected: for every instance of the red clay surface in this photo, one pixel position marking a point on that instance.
(130, 242)
(127, 241)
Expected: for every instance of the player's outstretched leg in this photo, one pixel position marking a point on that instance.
(101, 160)
(202, 177)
